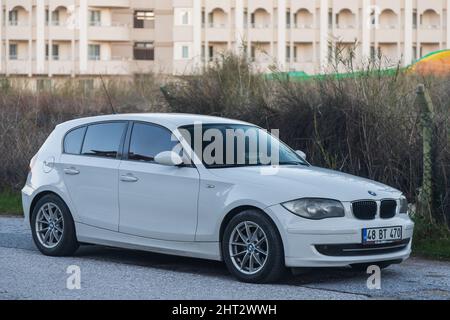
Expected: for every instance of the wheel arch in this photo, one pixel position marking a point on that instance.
(38, 197)
(235, 211)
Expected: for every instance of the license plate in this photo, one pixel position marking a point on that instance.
(381, 235)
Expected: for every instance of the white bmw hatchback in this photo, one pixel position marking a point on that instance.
(139, 182)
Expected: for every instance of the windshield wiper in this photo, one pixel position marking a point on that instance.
(295, 163)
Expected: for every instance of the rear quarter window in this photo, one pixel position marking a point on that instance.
(74, 140)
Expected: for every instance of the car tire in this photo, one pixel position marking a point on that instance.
(246, 238)
(52, 226)
(362, 267)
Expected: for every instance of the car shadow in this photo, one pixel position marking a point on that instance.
(154, 260)
(298, 277)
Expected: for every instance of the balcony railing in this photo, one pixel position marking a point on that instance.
(217, 25)
(18, 24)
(345, 26)
(303, 26)
(265, 25)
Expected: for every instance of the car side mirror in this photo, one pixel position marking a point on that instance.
(168, 158)
(301, 154)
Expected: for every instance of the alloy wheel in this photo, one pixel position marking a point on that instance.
(249, 247)
(49, 225)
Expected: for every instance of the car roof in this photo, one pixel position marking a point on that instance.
(169, 120)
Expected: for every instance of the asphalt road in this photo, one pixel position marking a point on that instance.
(108, 273)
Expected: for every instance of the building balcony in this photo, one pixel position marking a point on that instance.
(60, 67)
(60, 32)
(303, 35)
(347, 34)
(217, 32)
(388, 35)
(109, 3)
(108, 67)
(429, 34)
(17, 32)
(260, 34)
(109, 33)
(141, 66)
(19, 66)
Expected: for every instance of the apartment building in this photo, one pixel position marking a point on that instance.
(71, 38)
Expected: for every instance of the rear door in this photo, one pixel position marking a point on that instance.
(90, 165)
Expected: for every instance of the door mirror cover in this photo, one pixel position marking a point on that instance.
(301, 154)
(168, 158)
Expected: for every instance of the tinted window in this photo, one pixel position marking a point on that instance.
(74, 140)
(147, 141)
(103, 140)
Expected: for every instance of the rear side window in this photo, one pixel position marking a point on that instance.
(74, 140)
(148, 140)
(103, 140)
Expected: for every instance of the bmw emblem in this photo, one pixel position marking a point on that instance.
(372, 193)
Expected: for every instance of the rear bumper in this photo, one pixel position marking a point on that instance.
(337, 242)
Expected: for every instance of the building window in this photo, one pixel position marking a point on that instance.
(55, 17)
(182, 16)
(144, 51)
(13, 51)
(330, 18)
(288, 53)
(185, 52)
(55, 52)
(94, 52)
(144, 19)
(13, 18)
(185, 18)
(95, 18)
(414, 53)
(414, 19)
(288, 19)
(211, 53)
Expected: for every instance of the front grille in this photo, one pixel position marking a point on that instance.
(388, 209)
(364, 210)
(351, 250)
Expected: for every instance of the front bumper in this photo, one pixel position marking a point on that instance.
(303, 239)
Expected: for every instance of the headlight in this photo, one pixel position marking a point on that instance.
(403, 205)
(316, 209)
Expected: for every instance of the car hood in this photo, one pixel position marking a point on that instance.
(294, 182)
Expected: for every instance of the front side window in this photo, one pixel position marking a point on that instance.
(103, 140)
(74, 140)
(148, 140)
(235, 145)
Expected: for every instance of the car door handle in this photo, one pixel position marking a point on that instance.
(71, 171)
(128, 178)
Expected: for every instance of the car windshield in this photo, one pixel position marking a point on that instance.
(236, 145)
